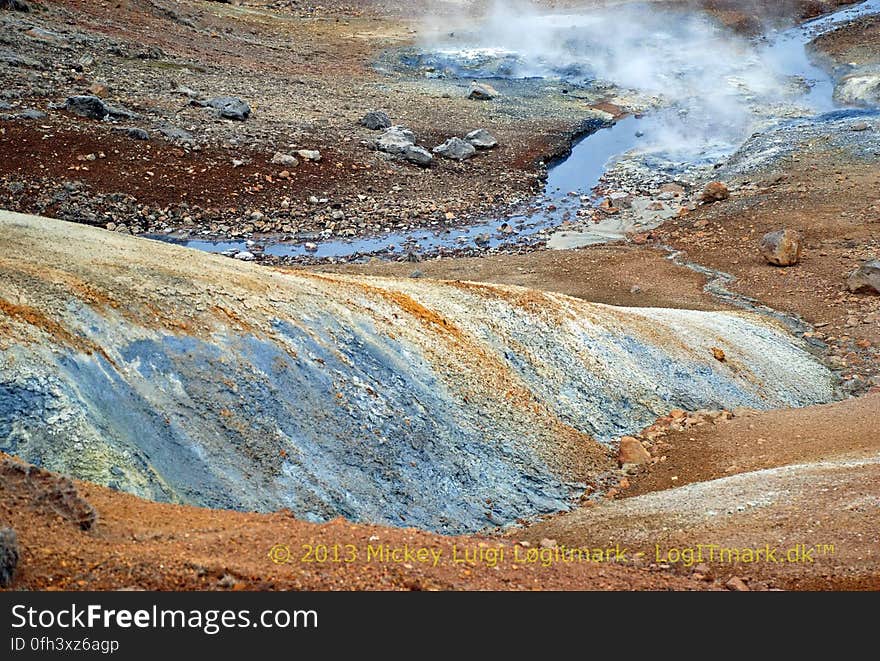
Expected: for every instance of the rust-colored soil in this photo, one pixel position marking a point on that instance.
(152, 546)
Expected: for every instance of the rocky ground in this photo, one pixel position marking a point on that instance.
(780, 478)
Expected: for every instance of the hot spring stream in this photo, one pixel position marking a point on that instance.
(570, 182)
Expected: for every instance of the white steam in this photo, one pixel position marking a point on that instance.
(711, 84)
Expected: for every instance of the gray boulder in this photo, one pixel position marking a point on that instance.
(418, 155)
(482, 92)
(376, 120)
(90, 107)
(455, 149)
(396, 140)
(280, 158)
(309, 155)
(231, 107)
(9, 555)
(481, 139)
(866, 278)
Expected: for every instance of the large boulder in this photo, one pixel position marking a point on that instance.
(376, 120)
(714, 191)
(9, 555)
(87, 106)
(482, 92)
(396, 140)
(231, 107)
(481, 139)
(455, 149)
(631, 451)
(418, 155)
(866, 278)
(782, 247)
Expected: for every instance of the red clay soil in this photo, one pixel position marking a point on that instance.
(138, 544)
(160, 175)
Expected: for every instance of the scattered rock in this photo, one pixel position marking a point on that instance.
(46, 35)
(860, 126)
(782, 247)
(548, 543)
(99, 90)
(9, 555)
(25, 114)
(418, 155)
(481, 139)
(188, 92)
(866, 278)
(231, 107)
(416, 274)
(118, 112)
(455, 149)
(244, 255)
(376, 120)
(736, 584)
(396, 140)
(90, 107)
(309, 155)
(135, 133)
(631, 451)
(16, 60)
(150, 53)
(174, 133)
(715, 191)
(288, 160)
(482, 92)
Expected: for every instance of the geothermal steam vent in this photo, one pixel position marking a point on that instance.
(453, 406)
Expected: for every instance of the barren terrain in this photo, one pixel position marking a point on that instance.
(99, 302)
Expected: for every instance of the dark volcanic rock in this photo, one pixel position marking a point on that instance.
(136, 133)
(376, 120)
(231, 107)
(87, 106)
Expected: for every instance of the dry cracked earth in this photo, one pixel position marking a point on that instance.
(804, 480)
